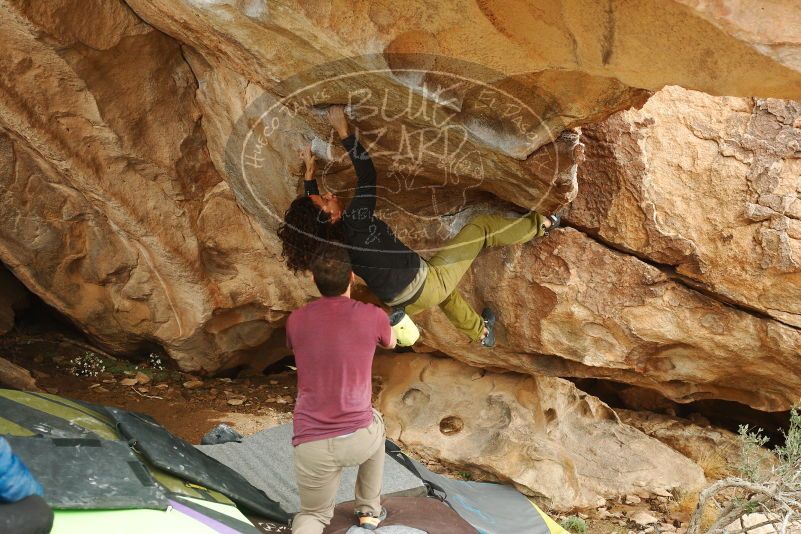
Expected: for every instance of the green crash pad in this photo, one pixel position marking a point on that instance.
(204, 517)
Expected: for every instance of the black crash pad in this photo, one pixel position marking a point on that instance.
(89, 473)
(174, 455)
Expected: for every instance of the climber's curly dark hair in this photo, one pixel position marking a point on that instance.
(305, 228)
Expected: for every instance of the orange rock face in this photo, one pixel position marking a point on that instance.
(112, 211)
(708, 186)
(570, 306)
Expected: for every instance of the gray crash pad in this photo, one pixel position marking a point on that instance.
(87, 473)
(265, 460)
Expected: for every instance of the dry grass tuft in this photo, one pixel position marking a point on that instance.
(685, 504)
(714, 465)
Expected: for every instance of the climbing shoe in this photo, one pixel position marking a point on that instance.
(489, 323)
(368, 521)
(556, 222)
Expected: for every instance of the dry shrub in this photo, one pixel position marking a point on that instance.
(771, 488)
(685, 504)
(714, 465)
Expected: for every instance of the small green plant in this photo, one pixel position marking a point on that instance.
(748, 506)
(87, 364)
(790, 453)
(155, 362)
(575, 524)
(466, 475)
(91, 364)
(752, 444)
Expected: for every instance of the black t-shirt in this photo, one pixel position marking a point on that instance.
(377, 255)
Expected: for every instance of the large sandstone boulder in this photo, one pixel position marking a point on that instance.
(126, 205)
(577, 52)
(715, 450)
(540, 433)
(571, 306)
(509, 82)
(707, 186)
(112, 211)
(142, 177)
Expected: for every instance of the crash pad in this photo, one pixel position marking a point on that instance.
(89, 473)
(265, 459)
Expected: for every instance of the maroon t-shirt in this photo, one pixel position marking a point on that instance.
(334, 340)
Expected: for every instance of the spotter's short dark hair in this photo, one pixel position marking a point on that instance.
(331, 270)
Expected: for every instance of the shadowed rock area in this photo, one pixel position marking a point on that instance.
(13, 298)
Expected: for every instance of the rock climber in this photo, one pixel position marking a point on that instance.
(397, 275)
(22, 509)
(334, 340)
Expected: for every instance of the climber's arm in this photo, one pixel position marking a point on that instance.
(309, 182)
(392, 342)
(386, 334)
(363, 204)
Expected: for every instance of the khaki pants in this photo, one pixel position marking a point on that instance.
(318, 468)
(449, 265)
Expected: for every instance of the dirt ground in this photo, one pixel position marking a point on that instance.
(189, 406)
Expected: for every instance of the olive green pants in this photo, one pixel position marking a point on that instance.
(448, 266)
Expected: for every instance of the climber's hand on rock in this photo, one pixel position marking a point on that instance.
(336, 116)
(309, 161)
